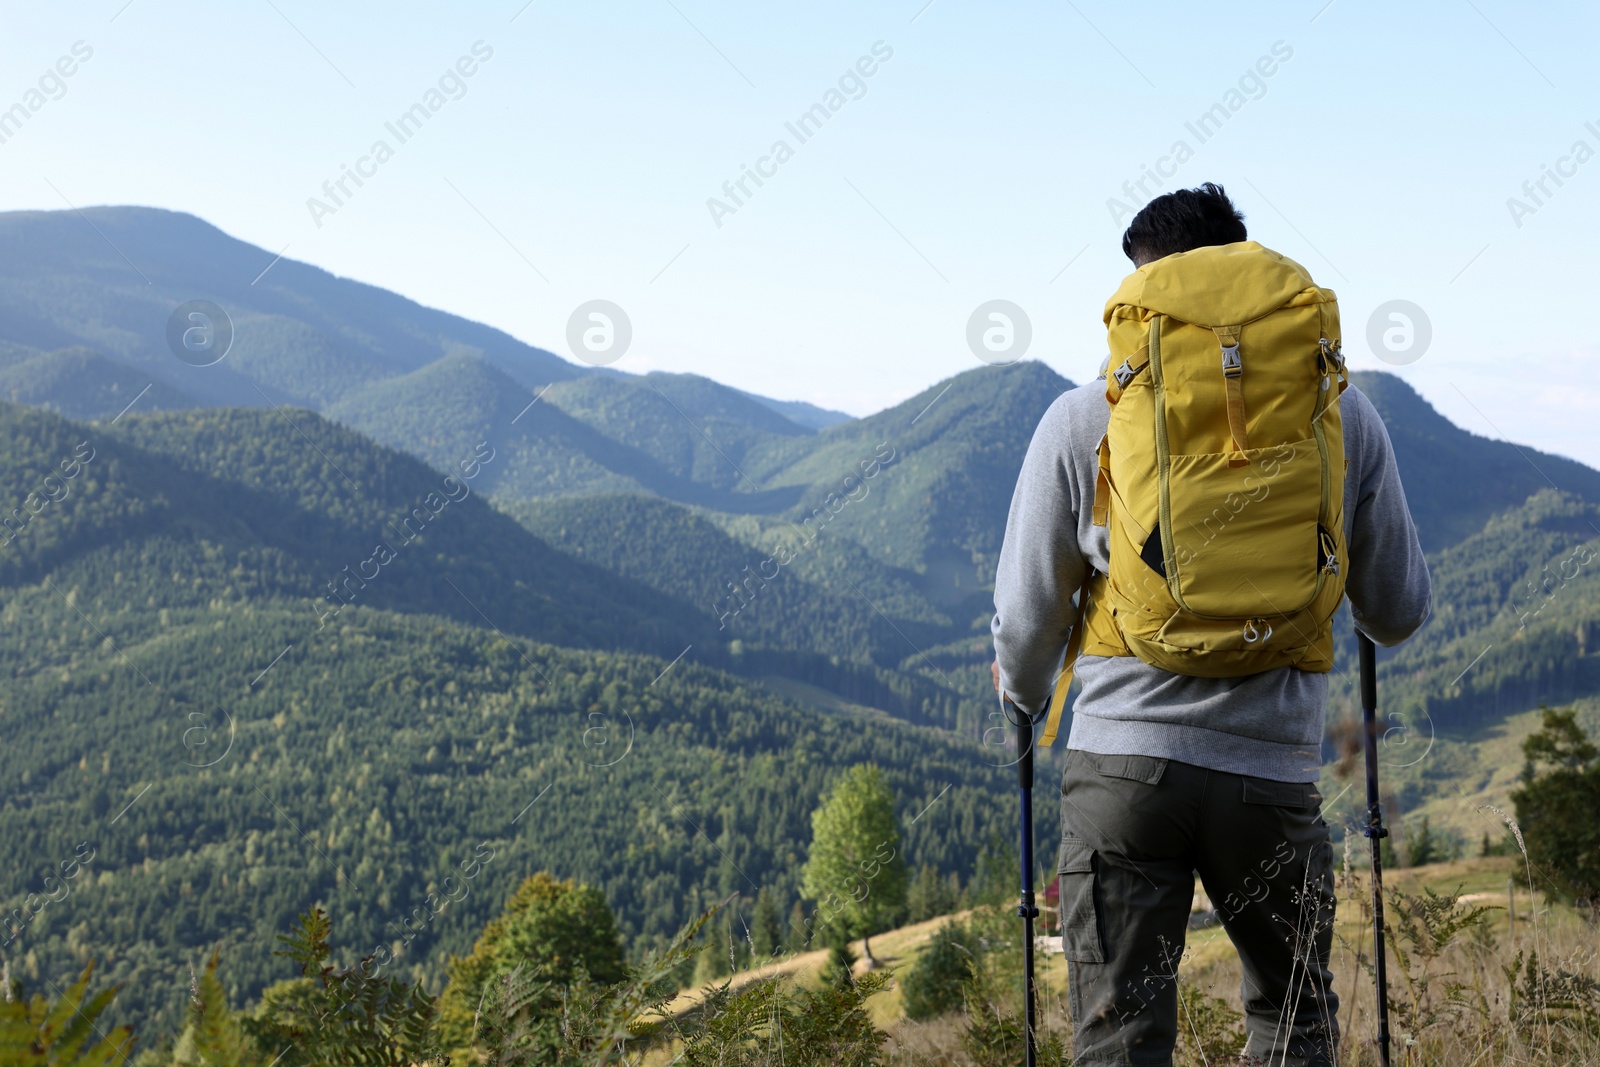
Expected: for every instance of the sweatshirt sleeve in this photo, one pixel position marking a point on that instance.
(1041, 566)
(1388, 585)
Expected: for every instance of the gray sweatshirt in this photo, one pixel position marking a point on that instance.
(1266, 725)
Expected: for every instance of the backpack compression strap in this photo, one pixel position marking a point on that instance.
(1069, 661)
(1233, 374)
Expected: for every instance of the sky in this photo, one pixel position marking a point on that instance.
(970, 153)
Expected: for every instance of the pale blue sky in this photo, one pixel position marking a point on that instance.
(977, 164)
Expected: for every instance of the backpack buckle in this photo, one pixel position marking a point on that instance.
(1124, 374)
(1232, 362)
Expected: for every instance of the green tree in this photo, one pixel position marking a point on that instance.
(855, 871)
(838, 972)
(995, 880)
(930, 895)
(556, 933)
(766, 925)
(1559, 810)
(797, 934)
(1560, 741)
(1424, 845)
(717, 959)
(1386, 852)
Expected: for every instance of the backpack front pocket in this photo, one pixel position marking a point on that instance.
(1244, 538)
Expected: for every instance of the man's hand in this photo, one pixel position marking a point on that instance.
(994, 672)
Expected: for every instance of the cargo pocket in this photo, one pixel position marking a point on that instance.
(1080, 919)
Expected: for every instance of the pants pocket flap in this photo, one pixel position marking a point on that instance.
(1280, 794)
(1135, 768)
(1075, 857)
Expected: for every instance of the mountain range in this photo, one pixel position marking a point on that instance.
(383, 585)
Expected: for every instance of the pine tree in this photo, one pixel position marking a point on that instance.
(1424, 846)
(930, 896)
(766, 926)
(839, 971)
(797, 932)
(1558, 807)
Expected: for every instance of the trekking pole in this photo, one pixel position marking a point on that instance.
(1025, 908)
(1374, 830)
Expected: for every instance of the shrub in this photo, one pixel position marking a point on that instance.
(1208, 1029)
(936, 983)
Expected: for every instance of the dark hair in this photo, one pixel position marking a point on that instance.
(1179, 221)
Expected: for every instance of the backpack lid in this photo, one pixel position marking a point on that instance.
(1217, 285)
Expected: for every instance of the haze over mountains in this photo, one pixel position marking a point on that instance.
(312, 623)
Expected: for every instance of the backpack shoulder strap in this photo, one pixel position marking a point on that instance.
(1069, 662)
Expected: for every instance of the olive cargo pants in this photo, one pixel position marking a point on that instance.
(1135, 830)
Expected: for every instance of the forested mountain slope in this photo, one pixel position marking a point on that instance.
(387, 753)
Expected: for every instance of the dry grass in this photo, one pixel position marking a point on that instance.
(894, 949)
(1471, 1012)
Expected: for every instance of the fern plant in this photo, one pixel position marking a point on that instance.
(773, 1021)
(214, 1035)
(65, 1032)
(1420, 929)
(343, 1016)
(1552, 1005)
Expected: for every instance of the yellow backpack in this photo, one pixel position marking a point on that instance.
(1221, 474)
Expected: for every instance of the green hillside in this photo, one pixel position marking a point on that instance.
(388, 752)
(801, 413)
(684, 555)
(177, 694)
(81, 384)
(1516, 619)
(859, 638)
(177, 514)
(1455, 480)
(183, 513)
(696, 429)
(107, 278)
(302, 334)
(959, 445)
(548, 451)
(460, 400)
